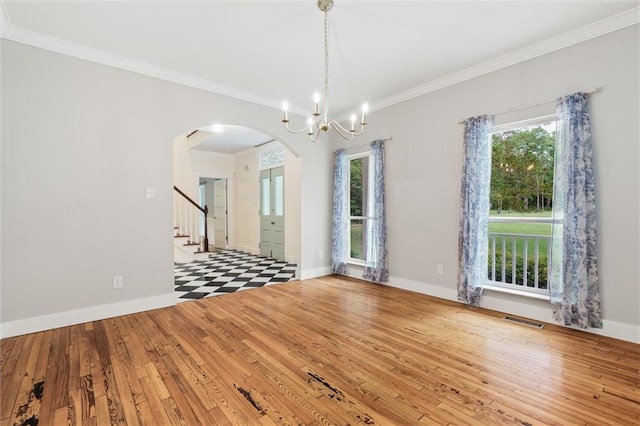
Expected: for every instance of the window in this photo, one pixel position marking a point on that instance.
(265, 193)
(521, 198)
(358, 205)
(278, 195)
(271, 159)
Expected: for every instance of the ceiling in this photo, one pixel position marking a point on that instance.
(231, 140)
(381, 52)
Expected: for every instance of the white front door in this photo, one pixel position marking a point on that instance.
(220, 213)
(272, 213)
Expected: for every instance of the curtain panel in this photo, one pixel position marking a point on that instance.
(340, 221)
(573, 282)
(376, 257)
(474, 209)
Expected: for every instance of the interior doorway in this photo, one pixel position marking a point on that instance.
(234, 222)
(220, 214)
(213, 194)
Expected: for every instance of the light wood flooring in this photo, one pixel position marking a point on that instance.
(323, 351)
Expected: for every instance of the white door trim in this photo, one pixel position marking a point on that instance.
(231, 201)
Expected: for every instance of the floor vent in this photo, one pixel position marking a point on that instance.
(524, 322)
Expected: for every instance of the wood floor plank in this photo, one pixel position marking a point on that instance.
(6, 346)
(127, 385)
(9, 377)
(179, 403)
(324, 351)
(13, 396)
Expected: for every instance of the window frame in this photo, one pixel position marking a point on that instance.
(508, 287)
(364, 219)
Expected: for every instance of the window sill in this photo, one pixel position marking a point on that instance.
(516, 292)
(355, 262)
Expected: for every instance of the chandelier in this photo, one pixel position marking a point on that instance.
(319, 122)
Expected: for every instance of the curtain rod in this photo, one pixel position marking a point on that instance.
(388, 138)
(588, 92)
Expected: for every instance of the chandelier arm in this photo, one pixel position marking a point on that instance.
(286, 126)
(314, 137)
(341, 130)
(359, 132)
(351, 134)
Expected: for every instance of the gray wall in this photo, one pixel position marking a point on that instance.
(424, 165)
(80, 143)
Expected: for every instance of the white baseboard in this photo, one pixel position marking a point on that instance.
(247, 249)
(307, 274)
(79, 316)
(539, 310)
(423, 288)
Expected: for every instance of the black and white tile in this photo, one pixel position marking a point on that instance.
(228, 271)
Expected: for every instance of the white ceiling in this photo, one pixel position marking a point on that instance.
(381, 52)
(232, 140)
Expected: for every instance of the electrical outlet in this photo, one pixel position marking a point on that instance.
(440, 269)
(320, 254)
(150, 192)
(118, 281)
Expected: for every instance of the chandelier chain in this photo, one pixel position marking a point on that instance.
(326, 67)
(319, 122)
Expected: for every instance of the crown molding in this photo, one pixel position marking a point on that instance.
(5, 23)
(64, 47)
(587, 32)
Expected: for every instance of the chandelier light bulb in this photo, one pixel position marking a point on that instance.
(353, 123)
(316, 104)
(310, 124)
(285, 108)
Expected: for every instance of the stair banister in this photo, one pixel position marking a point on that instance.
(204, 210)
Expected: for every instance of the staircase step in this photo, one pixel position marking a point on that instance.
(201, 255)
(185, 254)
(181, 236)
(189, 247)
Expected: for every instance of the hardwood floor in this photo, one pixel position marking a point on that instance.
(322, 351)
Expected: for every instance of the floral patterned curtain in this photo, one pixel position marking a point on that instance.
(573, 283)
(376, 267)
(340, 223)
(474, 209)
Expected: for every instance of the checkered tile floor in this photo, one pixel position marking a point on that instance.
(228, 271)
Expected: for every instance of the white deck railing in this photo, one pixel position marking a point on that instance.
(519, 261)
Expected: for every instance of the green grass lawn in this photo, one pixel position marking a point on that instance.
(521, 228)
(542, 229)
